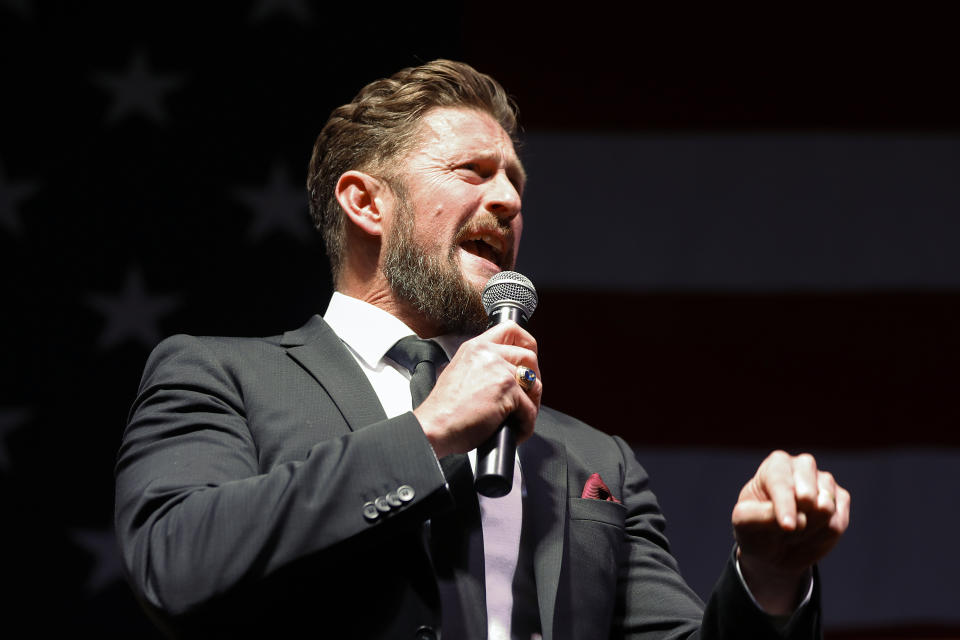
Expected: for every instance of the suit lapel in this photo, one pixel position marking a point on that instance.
(544, 462)
(316, 348)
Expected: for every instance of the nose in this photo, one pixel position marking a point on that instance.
(503, 198)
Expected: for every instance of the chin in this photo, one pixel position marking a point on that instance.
(478, 280)
(476, 271)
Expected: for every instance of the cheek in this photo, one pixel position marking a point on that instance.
(517, 233)
(441, 222)
(436, 236)
(430, 226)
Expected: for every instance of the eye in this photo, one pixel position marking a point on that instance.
(477, 169)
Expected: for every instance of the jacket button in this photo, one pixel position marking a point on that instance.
(381, 504)
(405, 493)
(393, 499)
(370, 511)
(425, 633)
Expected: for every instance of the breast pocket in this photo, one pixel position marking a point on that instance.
(596, 537)
(596, 545)
(606, 511)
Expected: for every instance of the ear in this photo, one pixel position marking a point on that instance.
(363, 198)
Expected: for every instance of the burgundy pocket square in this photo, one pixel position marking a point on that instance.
(595, 489)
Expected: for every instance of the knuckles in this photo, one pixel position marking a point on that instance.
(778, 455)
(806, 460)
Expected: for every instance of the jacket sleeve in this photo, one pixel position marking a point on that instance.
(197, 516)
(653, 600)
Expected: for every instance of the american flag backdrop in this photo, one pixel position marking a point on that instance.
(743, 227)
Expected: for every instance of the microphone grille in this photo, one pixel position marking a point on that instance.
(512, 288)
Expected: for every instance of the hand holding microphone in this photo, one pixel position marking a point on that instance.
(478, 401)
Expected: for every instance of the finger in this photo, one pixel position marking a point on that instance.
(805, 481)
(510, 333)
(522, 396)
(776, 481)
(524, 418)
(516, 355)
(748, 514)
(827, 492)
(820, 515)
(526, 407)
(500, 363)
(753, 518)
(528, 380)
(841, 517)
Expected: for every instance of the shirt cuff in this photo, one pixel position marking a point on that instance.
(779, 621)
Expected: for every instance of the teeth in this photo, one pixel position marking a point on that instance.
(487, 246)
(493, 241)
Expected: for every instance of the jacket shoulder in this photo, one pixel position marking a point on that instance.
(227, 348)
(216, 344)
(184, 357)
(187, 349)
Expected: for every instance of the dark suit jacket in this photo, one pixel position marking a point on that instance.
(241, 482)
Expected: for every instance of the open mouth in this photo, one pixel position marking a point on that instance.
(488, 246)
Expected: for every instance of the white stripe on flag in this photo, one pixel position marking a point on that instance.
(899, 561)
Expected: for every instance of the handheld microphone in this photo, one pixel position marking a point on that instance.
(506, 296)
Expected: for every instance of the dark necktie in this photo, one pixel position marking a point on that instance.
(455, 538)
(421, 358)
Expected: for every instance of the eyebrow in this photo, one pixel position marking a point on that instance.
(514, 169)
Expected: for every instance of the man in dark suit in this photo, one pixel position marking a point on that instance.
(271, 485)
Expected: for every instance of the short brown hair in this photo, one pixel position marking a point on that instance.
(380, 124)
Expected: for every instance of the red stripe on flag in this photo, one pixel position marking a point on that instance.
(846, 370)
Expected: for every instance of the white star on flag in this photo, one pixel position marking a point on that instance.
(296, 9)
(132, 314)
(137, 91)
(11, 195)
(278, 206)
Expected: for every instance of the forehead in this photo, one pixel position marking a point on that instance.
(451, 134)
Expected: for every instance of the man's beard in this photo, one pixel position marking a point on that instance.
(432, 284)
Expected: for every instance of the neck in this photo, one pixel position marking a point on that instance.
(383, 298)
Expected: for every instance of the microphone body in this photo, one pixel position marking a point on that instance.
(507, 296)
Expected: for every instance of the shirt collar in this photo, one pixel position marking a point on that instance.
(370, 331)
